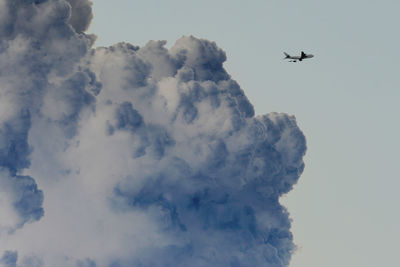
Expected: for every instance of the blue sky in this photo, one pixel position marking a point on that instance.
(345, 99)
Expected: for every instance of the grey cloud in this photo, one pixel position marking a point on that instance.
(74, 93)
(14, 149)
(42, 77)
(155, 154)
(9, 259)
(162, 63)
(29, 198)
(86, 263)
(134, 71)
(31, 261)
(204, 57)
(127, 117)
(81, 14)
(24, 197)
(234, 182)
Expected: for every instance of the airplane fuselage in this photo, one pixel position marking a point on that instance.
(296, 58)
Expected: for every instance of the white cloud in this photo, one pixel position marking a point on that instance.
(145, 156)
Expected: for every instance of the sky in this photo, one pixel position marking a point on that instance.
(206, 149)
(345, 99)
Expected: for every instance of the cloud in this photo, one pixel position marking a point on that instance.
(81, 14)
(9, 259)
(21, 201)
(134, 156)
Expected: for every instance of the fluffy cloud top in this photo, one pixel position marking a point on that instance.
(133, 156)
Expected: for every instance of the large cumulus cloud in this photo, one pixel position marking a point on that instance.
(134, 156)
(39, 53)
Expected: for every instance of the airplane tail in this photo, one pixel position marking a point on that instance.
(286, 55)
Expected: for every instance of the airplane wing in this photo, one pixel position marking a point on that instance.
(303, 55)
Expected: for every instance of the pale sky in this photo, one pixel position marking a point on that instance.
(345, 99)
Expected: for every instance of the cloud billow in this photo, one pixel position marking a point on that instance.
(39, 53)
(9, 259)
(140, 156)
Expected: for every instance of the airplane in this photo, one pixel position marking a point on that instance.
(300, 58)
